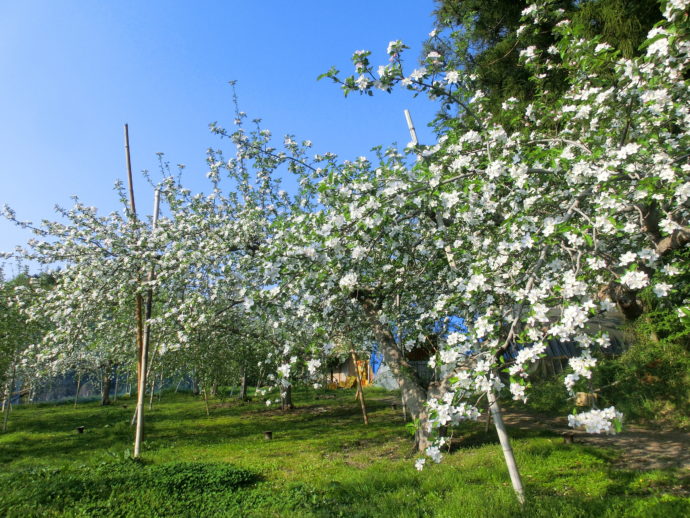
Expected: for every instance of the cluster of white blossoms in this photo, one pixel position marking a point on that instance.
(446, 412)
(284, 370)
(582, 368)
(635, 279)
(597, 421)
(313, 365)
(348, 281)
(525, 356)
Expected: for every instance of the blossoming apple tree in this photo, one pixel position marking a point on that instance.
(524, 235)
(493, 239)
(200, 254)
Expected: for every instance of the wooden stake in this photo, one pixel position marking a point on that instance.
(132, 205)
(360, 390)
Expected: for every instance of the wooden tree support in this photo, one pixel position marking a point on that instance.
(360, 391)
(505, 444)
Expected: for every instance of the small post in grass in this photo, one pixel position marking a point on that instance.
(360, 391)
(268, 436)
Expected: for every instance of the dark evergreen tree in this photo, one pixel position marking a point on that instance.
(485, 40)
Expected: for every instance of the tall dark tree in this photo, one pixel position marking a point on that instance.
(486, 42)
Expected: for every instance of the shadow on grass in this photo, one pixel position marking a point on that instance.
(42, 432)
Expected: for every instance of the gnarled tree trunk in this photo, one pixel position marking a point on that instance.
(105, 386)
(411, 388)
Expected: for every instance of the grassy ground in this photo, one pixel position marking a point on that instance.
(323, 462)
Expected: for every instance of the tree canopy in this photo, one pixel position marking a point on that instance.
(512, 229)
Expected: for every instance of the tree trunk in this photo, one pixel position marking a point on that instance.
(243, 385)
(105, 386)
(488, 418)
(208, 411)
(258, 381)
(214, 389)
(195, 386)
(505, 444)
(8, 399)
(116, 380)
(411, 389)
(76, 394)
(153, 391)
(286, 398)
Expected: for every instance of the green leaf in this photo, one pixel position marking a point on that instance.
(617, 425)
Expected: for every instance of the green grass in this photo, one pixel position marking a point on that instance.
(323, 462)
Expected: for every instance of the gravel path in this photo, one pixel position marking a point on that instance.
(641, 448)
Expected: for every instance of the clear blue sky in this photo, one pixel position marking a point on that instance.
(73, 72)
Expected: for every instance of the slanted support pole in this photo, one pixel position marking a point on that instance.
(410, 127)
(141, 359)
(505, 444)
(360, 389)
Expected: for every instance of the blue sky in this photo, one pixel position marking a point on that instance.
(73, 72)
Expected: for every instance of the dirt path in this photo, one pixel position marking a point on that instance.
(641, 448)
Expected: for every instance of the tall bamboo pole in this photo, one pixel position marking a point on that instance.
(149, 297)
(141, 367)
(146, 340)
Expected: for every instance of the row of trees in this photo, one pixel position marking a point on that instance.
(517, 226)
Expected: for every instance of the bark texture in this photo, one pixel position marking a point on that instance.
(411, 388)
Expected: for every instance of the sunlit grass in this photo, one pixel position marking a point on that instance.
(322, 462)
